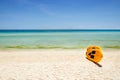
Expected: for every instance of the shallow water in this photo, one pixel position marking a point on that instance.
(67, 39)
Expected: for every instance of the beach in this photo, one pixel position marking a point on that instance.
(59, 39)
(57, 64)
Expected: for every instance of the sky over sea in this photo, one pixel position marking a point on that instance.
(59, 14)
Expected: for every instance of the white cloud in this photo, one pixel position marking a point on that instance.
(44, 8)
(23, 1)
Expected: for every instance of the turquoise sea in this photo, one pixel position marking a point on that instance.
(65, 39)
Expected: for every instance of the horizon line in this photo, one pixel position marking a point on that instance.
(60, 29)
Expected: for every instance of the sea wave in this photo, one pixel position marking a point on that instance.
(53, 47)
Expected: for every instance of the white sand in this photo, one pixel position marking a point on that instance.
(57, 64)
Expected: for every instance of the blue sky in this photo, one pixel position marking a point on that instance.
(59, 14)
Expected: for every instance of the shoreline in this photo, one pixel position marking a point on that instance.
(4, 49)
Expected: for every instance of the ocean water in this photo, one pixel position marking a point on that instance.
(66, 39)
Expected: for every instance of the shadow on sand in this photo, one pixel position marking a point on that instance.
(99, 65)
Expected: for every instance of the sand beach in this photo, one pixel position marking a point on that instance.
(57, 64)
(48, 39)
